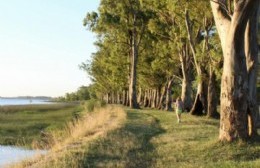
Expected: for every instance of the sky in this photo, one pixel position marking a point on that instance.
(42, 43)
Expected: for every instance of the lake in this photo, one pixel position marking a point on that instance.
(22, 101)
(11, 154)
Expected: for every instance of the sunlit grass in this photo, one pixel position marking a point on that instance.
(28, 125)
(147, 138)
(70, 150)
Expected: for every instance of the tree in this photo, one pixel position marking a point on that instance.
(128, 20)
(108, 70)
(237, 31)
(167, 26)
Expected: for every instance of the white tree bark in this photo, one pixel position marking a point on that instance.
(234, 85)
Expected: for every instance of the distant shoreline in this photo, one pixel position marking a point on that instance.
(27, 97)
(25, 100)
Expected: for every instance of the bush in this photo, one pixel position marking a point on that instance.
(93, 103)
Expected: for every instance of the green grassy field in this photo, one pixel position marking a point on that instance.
(151, 138)
(28, 125)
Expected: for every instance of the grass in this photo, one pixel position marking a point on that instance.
(70, 151)
(28, 125)
(150, 138)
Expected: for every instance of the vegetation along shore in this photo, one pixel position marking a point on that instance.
(114, 136)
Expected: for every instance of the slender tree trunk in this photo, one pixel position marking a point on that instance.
(112, 98)
(158, 97)
(107, 98)
(146, 102)
(154, 95)
(127, 98)
(212, 96)
(124, 98)
(168, 106)
(149, 98)
(186, 81)
(163, 97)
(186, 94)
(201, 103)
(133, 74)
(118, 98)
(139, 100)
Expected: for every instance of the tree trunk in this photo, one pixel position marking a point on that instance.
(186, 94)
(124, 97)
(127, 98)
(118, 101)
(158, 97)
(107, 98)
(186, 81)
(234, 84)
(154, 93)
(133, 74)
(234, 87)
(200, 104)
(251, 50)
(168, 106)
(112, 98)
(162, 98)
(140, 96)
(149, 98)
(145, 103)
(212, 96)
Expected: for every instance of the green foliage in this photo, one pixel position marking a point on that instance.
(161, 35)
(93, 104)
(83, 93)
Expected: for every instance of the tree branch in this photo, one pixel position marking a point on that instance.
(223, 9)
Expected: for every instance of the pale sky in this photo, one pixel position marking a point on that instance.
(42, 42)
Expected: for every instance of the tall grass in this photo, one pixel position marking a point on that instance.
(9, 109)
(30, 125)
(69, 150)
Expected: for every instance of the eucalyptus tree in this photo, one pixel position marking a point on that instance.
(151, 73)
(215, 64)
(236, 23)
(107, 71)
(198, 21)
(99, 73)
(128, 19)
(167, 26)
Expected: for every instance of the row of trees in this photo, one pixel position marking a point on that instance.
(151, 51)
(83, 93)
(144, 51)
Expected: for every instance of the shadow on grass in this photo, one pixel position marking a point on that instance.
(129, 146)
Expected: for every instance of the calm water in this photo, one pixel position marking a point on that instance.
(22, 101)
(10, 154)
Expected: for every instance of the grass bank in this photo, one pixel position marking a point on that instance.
(70, 150)
(29, 125)
(150, 138)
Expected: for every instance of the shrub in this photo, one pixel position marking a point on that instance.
(90, 105)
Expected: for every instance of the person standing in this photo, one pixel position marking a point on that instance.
(179, 108)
